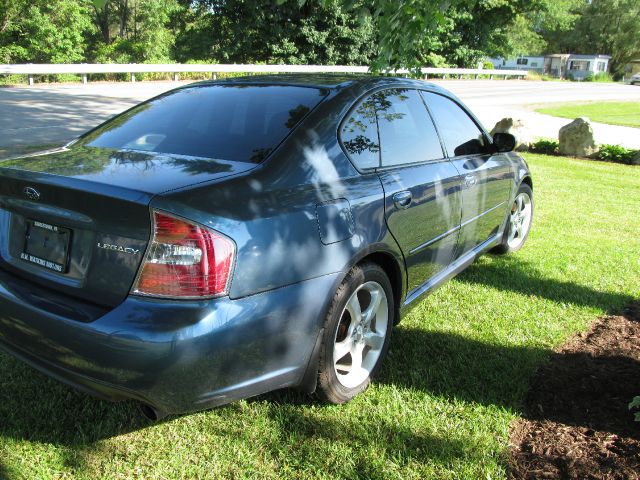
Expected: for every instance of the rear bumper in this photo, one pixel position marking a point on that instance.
(176, 356)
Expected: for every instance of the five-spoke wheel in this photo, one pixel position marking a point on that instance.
(356, 333)
(518, 221)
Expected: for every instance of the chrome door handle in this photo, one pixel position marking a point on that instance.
(470, 181)
(402, 199)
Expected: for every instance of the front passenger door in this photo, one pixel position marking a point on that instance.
(487, 178)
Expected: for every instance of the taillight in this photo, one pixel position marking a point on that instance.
(185, 260)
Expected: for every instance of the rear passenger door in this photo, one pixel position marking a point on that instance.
(422, 188)
(487, 178)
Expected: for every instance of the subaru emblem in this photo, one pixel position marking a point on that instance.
(31, 193)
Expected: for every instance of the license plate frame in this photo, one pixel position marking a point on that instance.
(46, 245)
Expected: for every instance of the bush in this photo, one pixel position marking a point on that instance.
(545, 146)
(487, 65)
(601, 77)
(618, 154)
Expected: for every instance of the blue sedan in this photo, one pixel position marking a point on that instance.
(230, 238)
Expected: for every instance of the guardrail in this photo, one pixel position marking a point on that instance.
(85, 69)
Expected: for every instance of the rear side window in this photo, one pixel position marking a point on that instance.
(230, 122)
(360, 135)
(460, 134)
(407, 133)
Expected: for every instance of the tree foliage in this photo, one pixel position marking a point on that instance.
(610, 27)
(43, 31)
(247, 31)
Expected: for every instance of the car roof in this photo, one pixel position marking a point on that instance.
(325, 80)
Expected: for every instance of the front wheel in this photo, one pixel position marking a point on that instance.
(518, 222)
(356, 333)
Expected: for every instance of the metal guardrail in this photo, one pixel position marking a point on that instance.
(85, 69)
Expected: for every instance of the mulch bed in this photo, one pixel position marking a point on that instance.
(577, 423)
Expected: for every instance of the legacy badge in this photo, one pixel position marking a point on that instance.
(118, 248)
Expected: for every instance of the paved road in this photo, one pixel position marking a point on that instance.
(54, 114)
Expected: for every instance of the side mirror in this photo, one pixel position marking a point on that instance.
(504, 142)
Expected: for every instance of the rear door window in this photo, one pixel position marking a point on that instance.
(229, 122)
(407, 133)
(459, 132)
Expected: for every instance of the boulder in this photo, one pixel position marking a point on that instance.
(516, 128)
(576, 138)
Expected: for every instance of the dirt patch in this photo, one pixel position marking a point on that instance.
(577, 423)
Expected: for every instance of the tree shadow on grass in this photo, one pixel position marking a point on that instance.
(517, 275)
(366, 440)
(38, 409)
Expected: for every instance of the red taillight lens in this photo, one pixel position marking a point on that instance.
(185, 260)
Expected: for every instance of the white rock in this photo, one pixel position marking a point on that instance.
(516, 128)
(576, 138)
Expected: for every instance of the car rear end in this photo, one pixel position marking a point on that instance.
(105, 291)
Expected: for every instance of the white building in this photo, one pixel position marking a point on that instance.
(519, 63)
(561, 65)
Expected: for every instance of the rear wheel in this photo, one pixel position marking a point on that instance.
(518, 221)
(356, 333)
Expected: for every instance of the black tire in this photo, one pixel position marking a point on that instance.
(366, 275)
(506, 246)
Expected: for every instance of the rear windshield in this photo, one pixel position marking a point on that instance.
(229, 122)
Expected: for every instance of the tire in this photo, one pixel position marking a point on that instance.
(518, 222)
(364, 341)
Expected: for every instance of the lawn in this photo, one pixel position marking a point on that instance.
(613, 113)
(458, 368)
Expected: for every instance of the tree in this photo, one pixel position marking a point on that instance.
(248, 31)
(133, 30)
(610, 27)
(40, 31)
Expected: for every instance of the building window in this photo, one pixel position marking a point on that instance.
(602, 66)
(579, 65)
(534, 64)
(522, 61)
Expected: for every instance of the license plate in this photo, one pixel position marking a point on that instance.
(46, 245)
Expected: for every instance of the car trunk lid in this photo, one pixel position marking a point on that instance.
(77, 220)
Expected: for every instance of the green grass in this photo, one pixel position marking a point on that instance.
(614, 113)
(454, 381)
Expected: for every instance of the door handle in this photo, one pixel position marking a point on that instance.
(402, 199)
(470, 181)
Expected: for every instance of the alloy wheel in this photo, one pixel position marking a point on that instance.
(520, 220)
(361, 334)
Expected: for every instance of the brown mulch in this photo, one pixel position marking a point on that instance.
(577, 423)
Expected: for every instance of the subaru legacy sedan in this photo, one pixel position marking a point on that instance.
(230, 238)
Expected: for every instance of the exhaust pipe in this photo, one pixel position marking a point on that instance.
(152, 413)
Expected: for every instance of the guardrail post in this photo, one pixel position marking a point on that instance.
(133, 77)
(475, 76)
(426, 76)
(214, 76)
(176, 76)
(30, 80)
(491, 77)
(84, 79)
